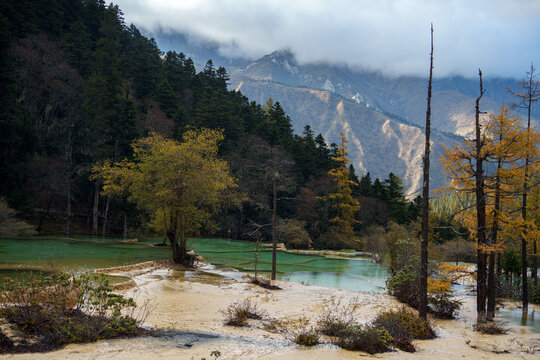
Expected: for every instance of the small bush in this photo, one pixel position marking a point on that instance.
(508, 289)
(374, 242)
(307, 337)
(404, 322)
(294, 234)
(238, 313)
(534, 296)
(365, 338)
(335, 239)
(404, 326)
(403, 285)
(404, 343)
(62, 309)
(443, 306)
(491, 328)
(336, 317)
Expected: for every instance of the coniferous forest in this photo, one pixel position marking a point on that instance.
(105, 139)
(79, 86)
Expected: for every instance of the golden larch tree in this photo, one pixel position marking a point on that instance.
(180, 185)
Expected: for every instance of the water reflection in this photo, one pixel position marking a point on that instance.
(517, 316)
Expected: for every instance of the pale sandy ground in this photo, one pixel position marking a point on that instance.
(190, 311)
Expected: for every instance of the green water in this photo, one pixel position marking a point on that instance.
(81, 253)
(75, 253)
(355, 274)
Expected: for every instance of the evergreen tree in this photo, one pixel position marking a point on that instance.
(365, 186)
(343, 203)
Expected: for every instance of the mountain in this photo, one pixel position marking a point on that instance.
(198, 49)
(382, 116)
(377, 143)
(401, 97)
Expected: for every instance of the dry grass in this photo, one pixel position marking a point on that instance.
(239, 312)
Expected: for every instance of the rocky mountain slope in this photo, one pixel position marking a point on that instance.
(377, 143)
(382, 116)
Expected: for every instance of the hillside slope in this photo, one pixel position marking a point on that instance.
(377, 143)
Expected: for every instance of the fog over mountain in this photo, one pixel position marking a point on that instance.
(498, 36)
(381, 115)
(360, 67)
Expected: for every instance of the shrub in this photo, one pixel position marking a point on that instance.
(443, 306)
(294, 234)
(404, 323)
(491, 328)
(62, 309)
(374, 242)
(405, 344)
(334, 239)
(457, 250)
(511, 263)
(306, 337)
(506, 288)
(404, 263)
(441, 299)
(335, 317)
(403, 285)
(10, 225)
(403, 250)
(365, 338)
(238, 313)
(534, 292)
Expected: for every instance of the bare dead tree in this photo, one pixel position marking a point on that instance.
(531, 94)
(272, 168)
(425, 198)
(481, 288)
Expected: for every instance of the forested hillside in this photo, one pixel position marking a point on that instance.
(78, 86)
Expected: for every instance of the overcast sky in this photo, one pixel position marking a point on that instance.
(501, 37)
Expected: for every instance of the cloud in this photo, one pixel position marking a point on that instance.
(501, 37)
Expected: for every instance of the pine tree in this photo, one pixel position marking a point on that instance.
(344, 204)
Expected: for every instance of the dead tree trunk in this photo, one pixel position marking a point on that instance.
(96, 210)
(423, 309)
(68, 209)
(481, 288)
(525, 291)
(531, 85)
(106, 216)
(491, 284)
(274, 226)
(69, 156)
(525, 287)
(125, 226)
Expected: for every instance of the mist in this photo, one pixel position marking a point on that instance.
(501, 37)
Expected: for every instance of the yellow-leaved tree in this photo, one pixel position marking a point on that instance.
(180, 185)
(505, 143)
(344, 205)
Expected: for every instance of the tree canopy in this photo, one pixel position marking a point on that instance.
(178, 184)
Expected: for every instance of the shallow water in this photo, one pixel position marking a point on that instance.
(81, 253)
(77, 253)
(515, 316)
(355, 274)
